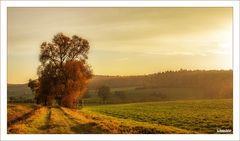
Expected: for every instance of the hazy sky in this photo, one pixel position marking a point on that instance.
(124, 41)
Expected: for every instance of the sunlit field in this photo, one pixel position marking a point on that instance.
(67, 121)
(190, 116)
(203, 116)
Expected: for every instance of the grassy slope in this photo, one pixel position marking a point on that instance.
(115, 125)
(204, 116)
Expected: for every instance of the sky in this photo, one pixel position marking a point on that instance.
(124, 41)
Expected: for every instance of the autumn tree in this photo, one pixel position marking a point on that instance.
(104, 93)
(64, 71)
(34, 86)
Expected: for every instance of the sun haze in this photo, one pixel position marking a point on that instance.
(124, 41)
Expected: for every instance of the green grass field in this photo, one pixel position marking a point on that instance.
(165, 117)
(204, 116)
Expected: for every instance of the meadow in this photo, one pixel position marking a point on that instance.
(203, 116)
(59, 120)
(166, 117)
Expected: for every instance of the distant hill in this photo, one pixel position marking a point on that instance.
(14, 89)
(181, 78)
(19, 92)
(212, 83)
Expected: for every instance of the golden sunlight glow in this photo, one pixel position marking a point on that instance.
(124, 41)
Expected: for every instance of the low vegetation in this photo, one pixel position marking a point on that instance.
(203, 116)
(128, 126)
(181, 117)
(58, 120)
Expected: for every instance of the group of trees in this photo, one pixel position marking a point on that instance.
(104, 92)
(20, 99)
(64, 73)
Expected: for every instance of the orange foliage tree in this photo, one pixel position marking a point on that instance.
(64, 72)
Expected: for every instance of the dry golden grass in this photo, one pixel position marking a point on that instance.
(35, 124)
(71, 121)
(15, 111)
(59, 123)
(84, 125)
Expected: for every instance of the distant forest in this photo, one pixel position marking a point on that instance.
(169, 85)
(215, 83)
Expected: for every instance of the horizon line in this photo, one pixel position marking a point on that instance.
(147, 74)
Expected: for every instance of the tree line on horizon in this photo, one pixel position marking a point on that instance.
(214, 83)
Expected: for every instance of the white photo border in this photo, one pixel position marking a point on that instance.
(108, 137)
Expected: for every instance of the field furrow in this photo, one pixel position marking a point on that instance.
(37, 123)
(18, 112)
(60, 123)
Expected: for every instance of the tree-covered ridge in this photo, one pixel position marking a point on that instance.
(215, 83)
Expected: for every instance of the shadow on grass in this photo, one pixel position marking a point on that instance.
(88, 128)
(44, 127)
(47, 122)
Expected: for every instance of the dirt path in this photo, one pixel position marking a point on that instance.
(83, 125)
(61, 122)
